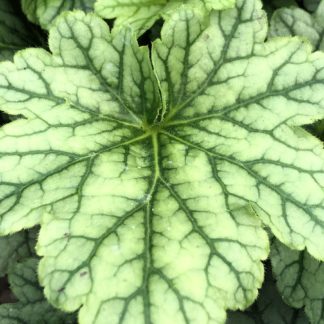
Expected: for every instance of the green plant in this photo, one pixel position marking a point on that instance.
(156, 172)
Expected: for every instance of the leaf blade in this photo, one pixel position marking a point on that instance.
(122, 175)
(299, 278)
(141, 14)
(226, 126)
(44, 12)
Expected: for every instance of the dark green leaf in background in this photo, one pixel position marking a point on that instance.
(300, 280)
(268, 309)
(15, 32)
(32, 307)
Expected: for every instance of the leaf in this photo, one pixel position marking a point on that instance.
(44, 12)
(269, 308)
(15, 33)
(32, 307)
(16, 247)
(311, 5)
(271, 5)
(139, 195)
(300, 280)
(141, 14)
(295, 21)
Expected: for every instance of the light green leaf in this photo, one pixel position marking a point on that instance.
(137, 195)
(141, 14)
(44, 12)
(32, 308)
(16, 247)
(300, 280)
(295, 21)
(269, 308)
(15, 34)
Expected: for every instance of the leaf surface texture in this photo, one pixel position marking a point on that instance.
(31, 306)
(147, 176)
(295, 21)
(44, 12)
(300, 280)
(141, 14)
